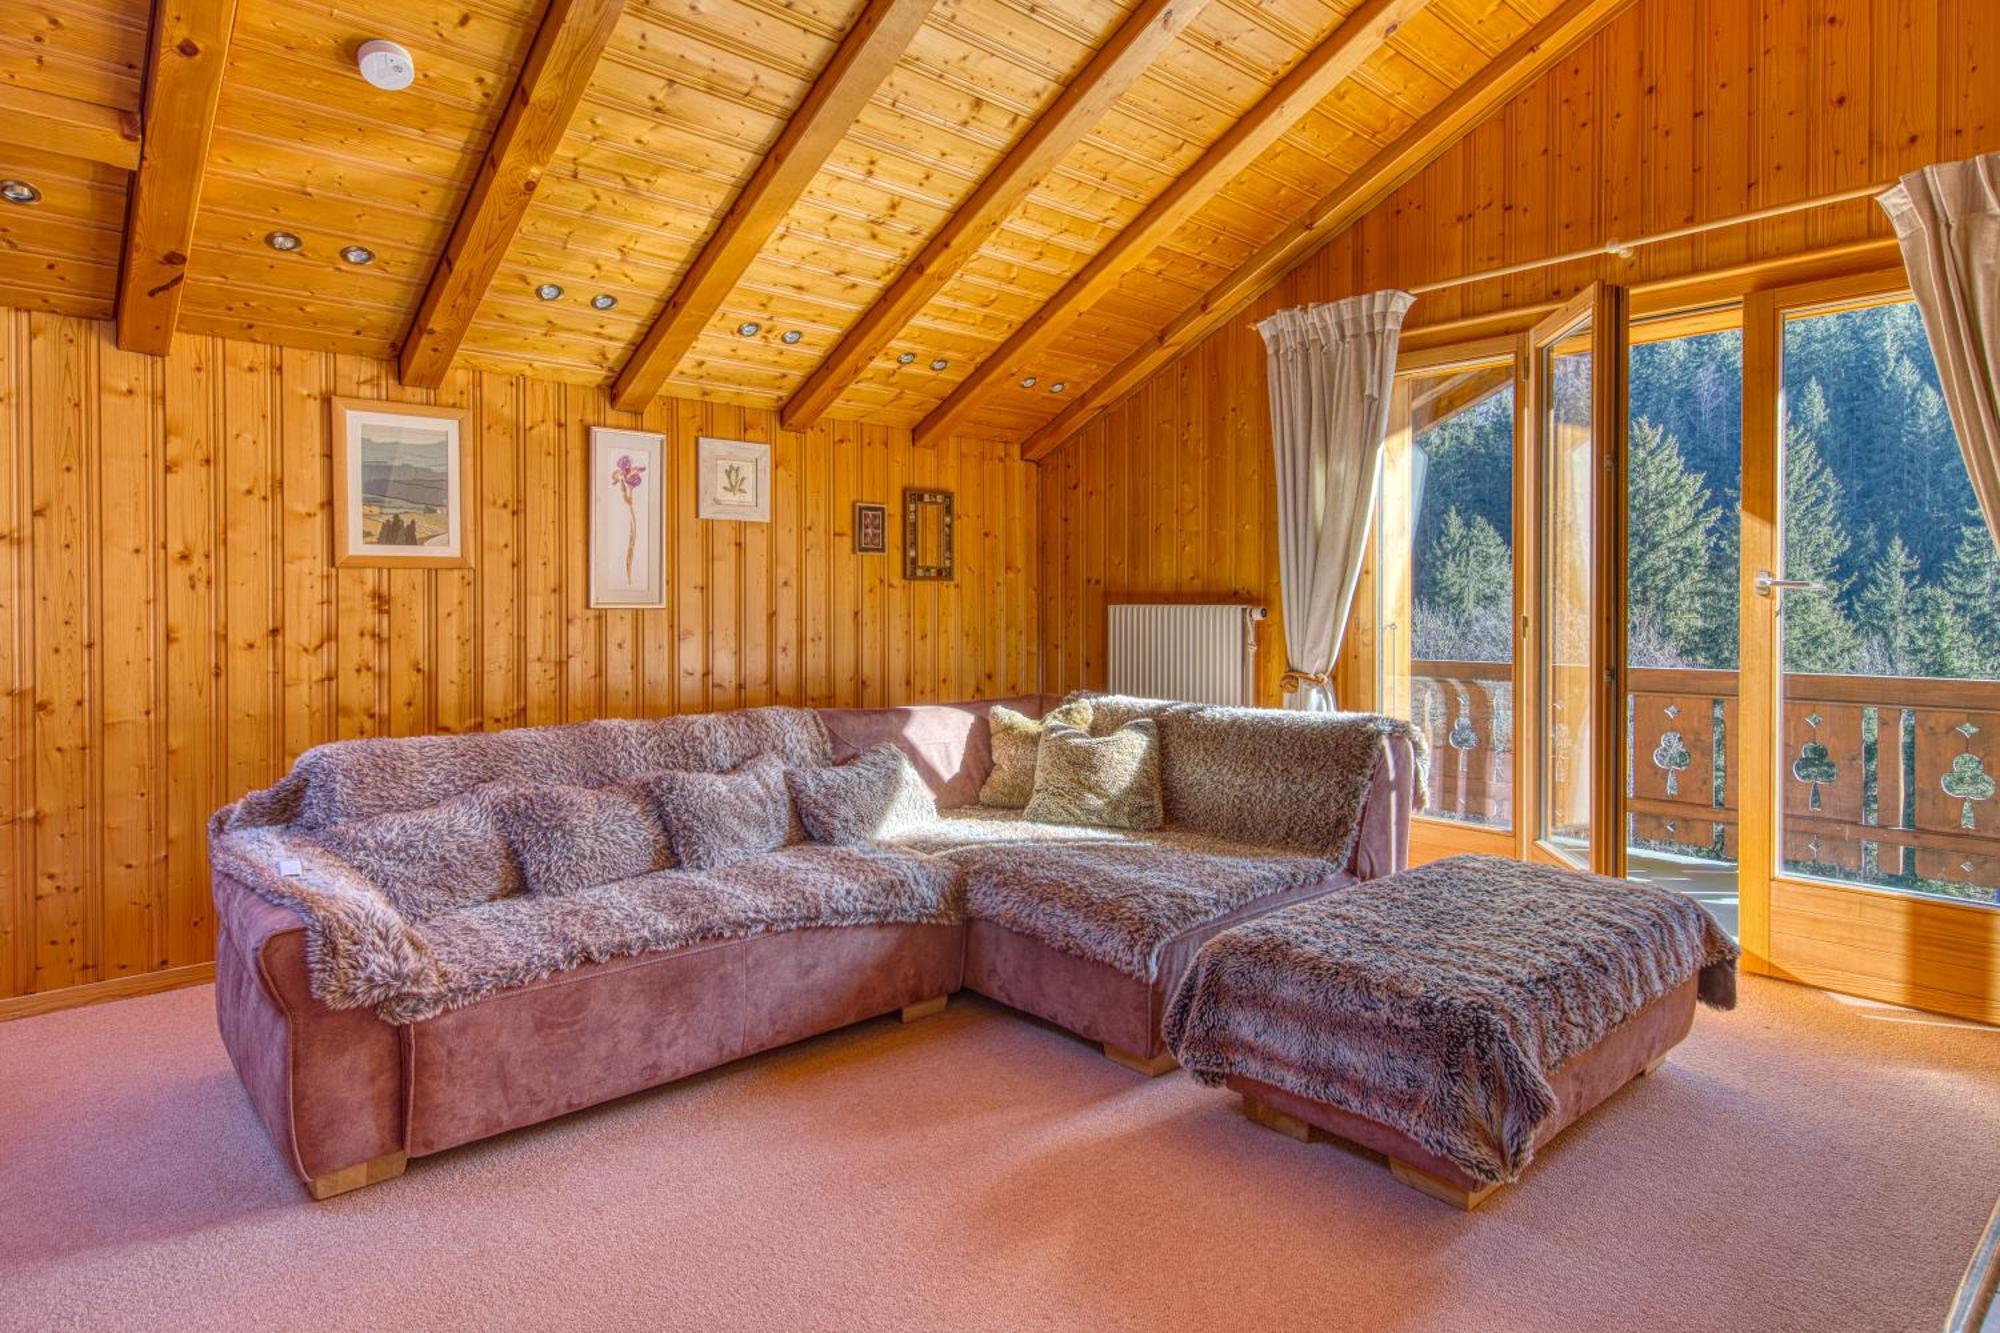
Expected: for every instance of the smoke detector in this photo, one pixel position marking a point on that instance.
(386, 65)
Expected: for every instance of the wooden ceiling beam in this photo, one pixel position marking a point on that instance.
(1304, 87)
(558, 69)
(1492, 88)
(1116, 66)
(183, 85)
(864, 58)
(70, 126)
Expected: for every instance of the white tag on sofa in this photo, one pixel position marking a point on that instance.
(291, 867)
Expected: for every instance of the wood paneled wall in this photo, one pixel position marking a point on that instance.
(172, 632)
(1678, 111)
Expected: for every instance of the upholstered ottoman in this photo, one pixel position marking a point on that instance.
(1452, 1018)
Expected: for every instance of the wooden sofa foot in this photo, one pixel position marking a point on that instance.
(1270, 1117)
(1424, 1182)
(924, 1008)
(350, 1178)
(1150, 1066)
(1658, 1060)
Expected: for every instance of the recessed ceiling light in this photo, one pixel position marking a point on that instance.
(790, 336)
(357, 254)
(749, 328)
(603, 301)
(282, 240)
(1027, 381)
(1057, 387)
(386, 65)
(19, 192)
(905, 358)
(939, 363)
(548, 291)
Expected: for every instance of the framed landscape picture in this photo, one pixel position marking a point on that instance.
(733, 478)
(628, 542)
(399, 491)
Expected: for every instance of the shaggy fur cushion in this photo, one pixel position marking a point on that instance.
(715, 818)
(1264, 775)
(1106, 781)
(878, 794)
(449, 855)
(1016, 738)
(1436, 1001)
(570, 838)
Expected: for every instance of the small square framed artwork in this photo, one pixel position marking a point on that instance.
(871, 529)
(928, 550)
(733, 480)
(399, 485)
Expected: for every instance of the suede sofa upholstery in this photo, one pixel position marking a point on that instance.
(348, 1096)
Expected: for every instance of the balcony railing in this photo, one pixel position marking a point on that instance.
(1885, 779)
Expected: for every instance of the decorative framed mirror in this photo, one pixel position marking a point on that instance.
(927, 536)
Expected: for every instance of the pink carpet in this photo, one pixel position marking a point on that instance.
(1805, 1163)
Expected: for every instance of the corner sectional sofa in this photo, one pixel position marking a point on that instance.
(366, 1034)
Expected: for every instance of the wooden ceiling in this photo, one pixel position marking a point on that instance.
(1055, 189)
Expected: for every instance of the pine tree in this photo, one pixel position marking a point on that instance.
(1817, 635)
(1972, 585)
(1886, 611)
(1469, 566)
(1945, 645)
(1668, 549)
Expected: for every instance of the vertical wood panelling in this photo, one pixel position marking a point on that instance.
(174, 633)
(1678, 111)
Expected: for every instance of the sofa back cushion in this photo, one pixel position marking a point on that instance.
(877, 794)
(571, 838)
(948, 743)
(354, 779)
(1264, 776)
(1016, 739)
(715, 818)
(446, 856)
(1104, 781)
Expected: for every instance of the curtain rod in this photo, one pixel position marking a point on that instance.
(1623, 249)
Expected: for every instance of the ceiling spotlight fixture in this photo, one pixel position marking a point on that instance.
(386, 65)
(282, 240)
(790, 336)
(749, 328)
(1057, 387)
(19, 192)
(548, 291)
(357, 254)
(1027, 381)
(603, 301)
(904, 358)
(939, 363)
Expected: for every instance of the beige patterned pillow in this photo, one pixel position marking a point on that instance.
(1103, 781)
(1016, 738)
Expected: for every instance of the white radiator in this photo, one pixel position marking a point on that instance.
(1195, 654)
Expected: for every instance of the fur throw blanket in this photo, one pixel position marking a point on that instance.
(1265, 776)
(1436, 1001)
(361, 953)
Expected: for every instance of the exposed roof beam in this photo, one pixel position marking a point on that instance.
(1304, 87)
(864, 58)
(559, 67)
(183, 85)
(1506, 76)
(1117, 65)
(52, 123)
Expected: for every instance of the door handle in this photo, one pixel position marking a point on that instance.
(1769, 586)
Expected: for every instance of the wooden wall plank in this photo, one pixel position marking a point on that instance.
(174, 632)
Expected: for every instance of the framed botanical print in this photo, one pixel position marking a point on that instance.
(733, 478)
(399, 486)
(628, 544)
(928, 550)
(871, 528)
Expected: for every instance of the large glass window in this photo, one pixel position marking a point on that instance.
(1446, 592)
(1890, 708)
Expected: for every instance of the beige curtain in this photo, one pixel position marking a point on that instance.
(1947, 218)
(1331, 369)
